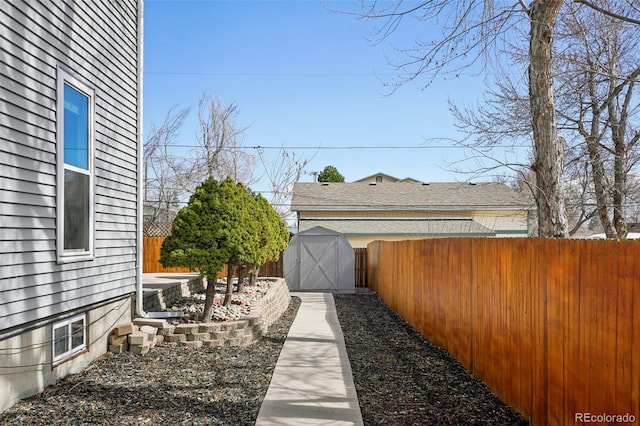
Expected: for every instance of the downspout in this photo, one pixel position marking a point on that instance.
(139, 311)
(140, 141)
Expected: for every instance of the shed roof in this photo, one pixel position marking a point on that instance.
(406, 196)
(319, 230)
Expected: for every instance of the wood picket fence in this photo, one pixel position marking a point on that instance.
(551, 326)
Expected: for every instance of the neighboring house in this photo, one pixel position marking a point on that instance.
(155, 214)
(70, 216)
(157, 220)
(401, 210)
(630, 236)
(381, 178)
(633, 232)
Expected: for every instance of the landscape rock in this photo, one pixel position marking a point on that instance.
(138, 338)
(124, 329)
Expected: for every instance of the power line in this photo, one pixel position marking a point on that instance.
(354, 147)
(348, 147)
(265, 74)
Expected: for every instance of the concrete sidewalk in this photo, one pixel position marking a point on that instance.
(312, 382)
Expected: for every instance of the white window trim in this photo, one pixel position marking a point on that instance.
(72, 351)
(63, 255)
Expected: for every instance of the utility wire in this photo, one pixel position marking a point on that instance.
(265, 74)
(352, 147)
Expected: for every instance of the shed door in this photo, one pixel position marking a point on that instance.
(319, 262)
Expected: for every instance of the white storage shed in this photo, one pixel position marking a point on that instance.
(319, 259)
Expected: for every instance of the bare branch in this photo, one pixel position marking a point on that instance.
(608, 12)
(282, 174)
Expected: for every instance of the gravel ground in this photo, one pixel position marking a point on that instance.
(167, 386)
(401, 379)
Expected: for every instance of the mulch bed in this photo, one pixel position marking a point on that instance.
(401, 379)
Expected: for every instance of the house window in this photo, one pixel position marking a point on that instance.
(378, 179)
(69, 337)
(75, 117)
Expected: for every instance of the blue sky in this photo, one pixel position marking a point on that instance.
(302, 76)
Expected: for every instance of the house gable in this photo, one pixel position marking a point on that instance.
(382, 177)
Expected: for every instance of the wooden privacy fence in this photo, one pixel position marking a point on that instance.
(151, 256)
(551, 326)
(360, 262)
(151, 262)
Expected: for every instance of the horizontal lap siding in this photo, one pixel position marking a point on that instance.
(97, 40)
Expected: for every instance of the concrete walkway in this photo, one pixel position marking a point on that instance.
(312, 382)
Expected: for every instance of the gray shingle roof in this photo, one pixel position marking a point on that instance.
(406, 227)
(405, 196)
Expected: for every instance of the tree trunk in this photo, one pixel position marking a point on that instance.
(208, 299)
(229, 291)
(619, 194)
(242, 271)
(548, 148)
(253, 274)
(598, 172)
(620, 164)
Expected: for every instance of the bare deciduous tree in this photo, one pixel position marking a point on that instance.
(161, 189)
(471, 30)
(173, 170)
(282, 174)
(219, 152)
(597, 62)
(595, 73)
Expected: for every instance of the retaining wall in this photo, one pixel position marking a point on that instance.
(157, 300)
(264, 312)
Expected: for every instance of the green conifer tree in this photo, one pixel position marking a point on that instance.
(330, 174)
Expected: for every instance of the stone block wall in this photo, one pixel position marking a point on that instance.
(264, 312)
(159, 300)
(270, 307)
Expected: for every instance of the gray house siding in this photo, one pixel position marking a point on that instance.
(96, 41)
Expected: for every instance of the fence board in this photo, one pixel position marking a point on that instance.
(574, 257)
(585, 326)
(550, 325)
(624, 330)
(427, 283)
(605, 355)
(556, 304)
(151, 257)
(273, 268)
(538, 297)
(361, 267)
(634, 343)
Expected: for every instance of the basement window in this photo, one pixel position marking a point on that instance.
(69, 337)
